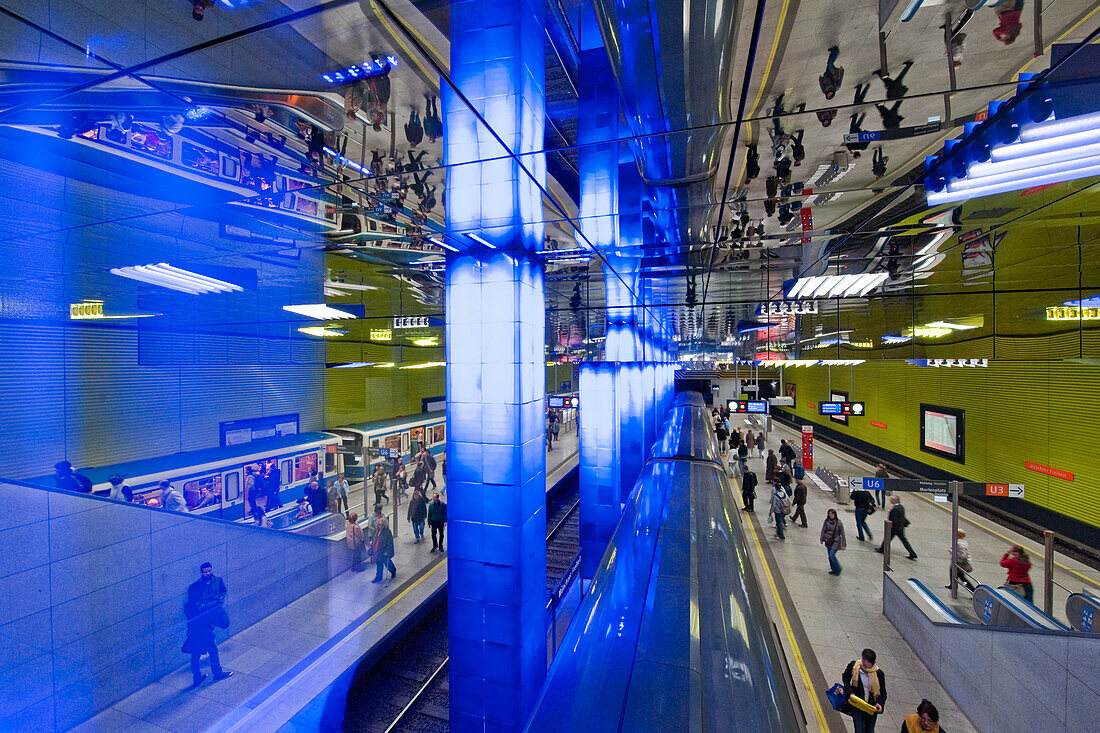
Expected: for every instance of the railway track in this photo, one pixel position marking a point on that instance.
(407, 690)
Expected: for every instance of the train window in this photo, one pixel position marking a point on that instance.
(439, 433)
(304, 466)
(203, 491)
(231, 486)
(398, 441)
(285, 467)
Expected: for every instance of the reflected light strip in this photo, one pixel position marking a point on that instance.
(480, 240)
(353, 365)
(319, 311)
(1054, 128)
(347, 161)
(173, 278)
(441, 243)
(321, 332)
(424, 365)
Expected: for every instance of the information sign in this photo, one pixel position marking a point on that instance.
(840, 408)
(751, 407)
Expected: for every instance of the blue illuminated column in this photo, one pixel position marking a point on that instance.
(495, 320)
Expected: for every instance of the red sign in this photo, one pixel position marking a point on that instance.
(1055, 472)
(811, 405)
(996, 489)
(807, 224)
(331, 448)
(878, 424)
(981, 115)
(808, 447)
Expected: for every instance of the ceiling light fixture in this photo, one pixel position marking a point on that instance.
(174, 278)
(320, 312)
(441, 243)
(428, 341)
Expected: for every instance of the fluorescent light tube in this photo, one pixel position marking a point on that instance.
(174, 278)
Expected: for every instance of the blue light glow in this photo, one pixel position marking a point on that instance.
(365, 70)
(346, 161)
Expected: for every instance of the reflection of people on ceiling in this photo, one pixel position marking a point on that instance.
(415, 163)
(798, 150)
(1008, 20)
(198, 8)
(414, 130)
(894, 87)
(830, 81)
(379, 86)
(752, 163)
(891, 118)
(854, 128)
(878, 163)
(433, 124)
(353, 98)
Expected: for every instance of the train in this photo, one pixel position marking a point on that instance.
(673, 633)
(363, 445)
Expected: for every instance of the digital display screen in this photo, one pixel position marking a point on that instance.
(837, 396)
(942, 431)
(840, 408)
(556, 401)
(750, 407)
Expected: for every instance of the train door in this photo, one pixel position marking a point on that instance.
(285, 468)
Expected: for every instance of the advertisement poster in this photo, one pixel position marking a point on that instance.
(439, 433)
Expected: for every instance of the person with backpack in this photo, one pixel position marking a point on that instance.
(800, 504)
(430, 466)
(743, 454)
(378, 480)
(171, 498)
(418, 512)
(865, 507)
(119, 490)
(832, 536)
(780, 507)
(786, 452)
(748, 490)
(722, 435)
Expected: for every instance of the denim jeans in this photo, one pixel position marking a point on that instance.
(861, 524)
(418, 530)
(380, 564)
(834, 564)
(780, 522)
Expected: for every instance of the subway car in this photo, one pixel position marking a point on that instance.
(405, 435)
(223, 471)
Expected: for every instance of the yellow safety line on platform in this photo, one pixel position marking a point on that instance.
(1007, 539)
(818, 712)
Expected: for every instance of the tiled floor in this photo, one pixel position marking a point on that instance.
(267, 687)
(843, 614)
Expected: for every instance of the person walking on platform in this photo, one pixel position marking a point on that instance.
(418, 512)
(205, 609)
(1018, 564)
(748, 490)
(743, 454)
(800, 504)
(356, 540)
(400, 477)
(898, 523)
(866, 681)
(750, 440)
(437, 519)
(430, 465)
(760, 443)
(786, 453)
(772, 464)
(382, 551)
(378, 480)
(722, 435)
(780, 507)
(832, 536)
(880, 494)
(865, 507)
(371, 530)
(962, 560)
(340, 487)
(831, 80)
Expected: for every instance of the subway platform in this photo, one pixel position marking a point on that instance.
(284, 661)
(825, 621)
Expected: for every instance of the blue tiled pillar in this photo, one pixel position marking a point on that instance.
(495, 323)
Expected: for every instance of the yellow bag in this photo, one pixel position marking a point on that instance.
(860, 704)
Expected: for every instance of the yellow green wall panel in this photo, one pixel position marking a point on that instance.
(1045, 412)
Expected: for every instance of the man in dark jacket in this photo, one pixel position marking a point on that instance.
(830, 81)
(418, 512)
(786, 452)
(864, 504)
(799, 502)
(274, 486)
(205, 609)
(67, 479)
(437, 519)
(748, 490)
(897, 527)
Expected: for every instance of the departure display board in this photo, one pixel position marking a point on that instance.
(749, 407)
(840, 408)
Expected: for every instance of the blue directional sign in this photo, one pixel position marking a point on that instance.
(873, 484)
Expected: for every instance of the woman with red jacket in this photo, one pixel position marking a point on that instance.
(1018, 564)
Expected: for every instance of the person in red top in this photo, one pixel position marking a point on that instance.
(1008, 17)
(1018, 564)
